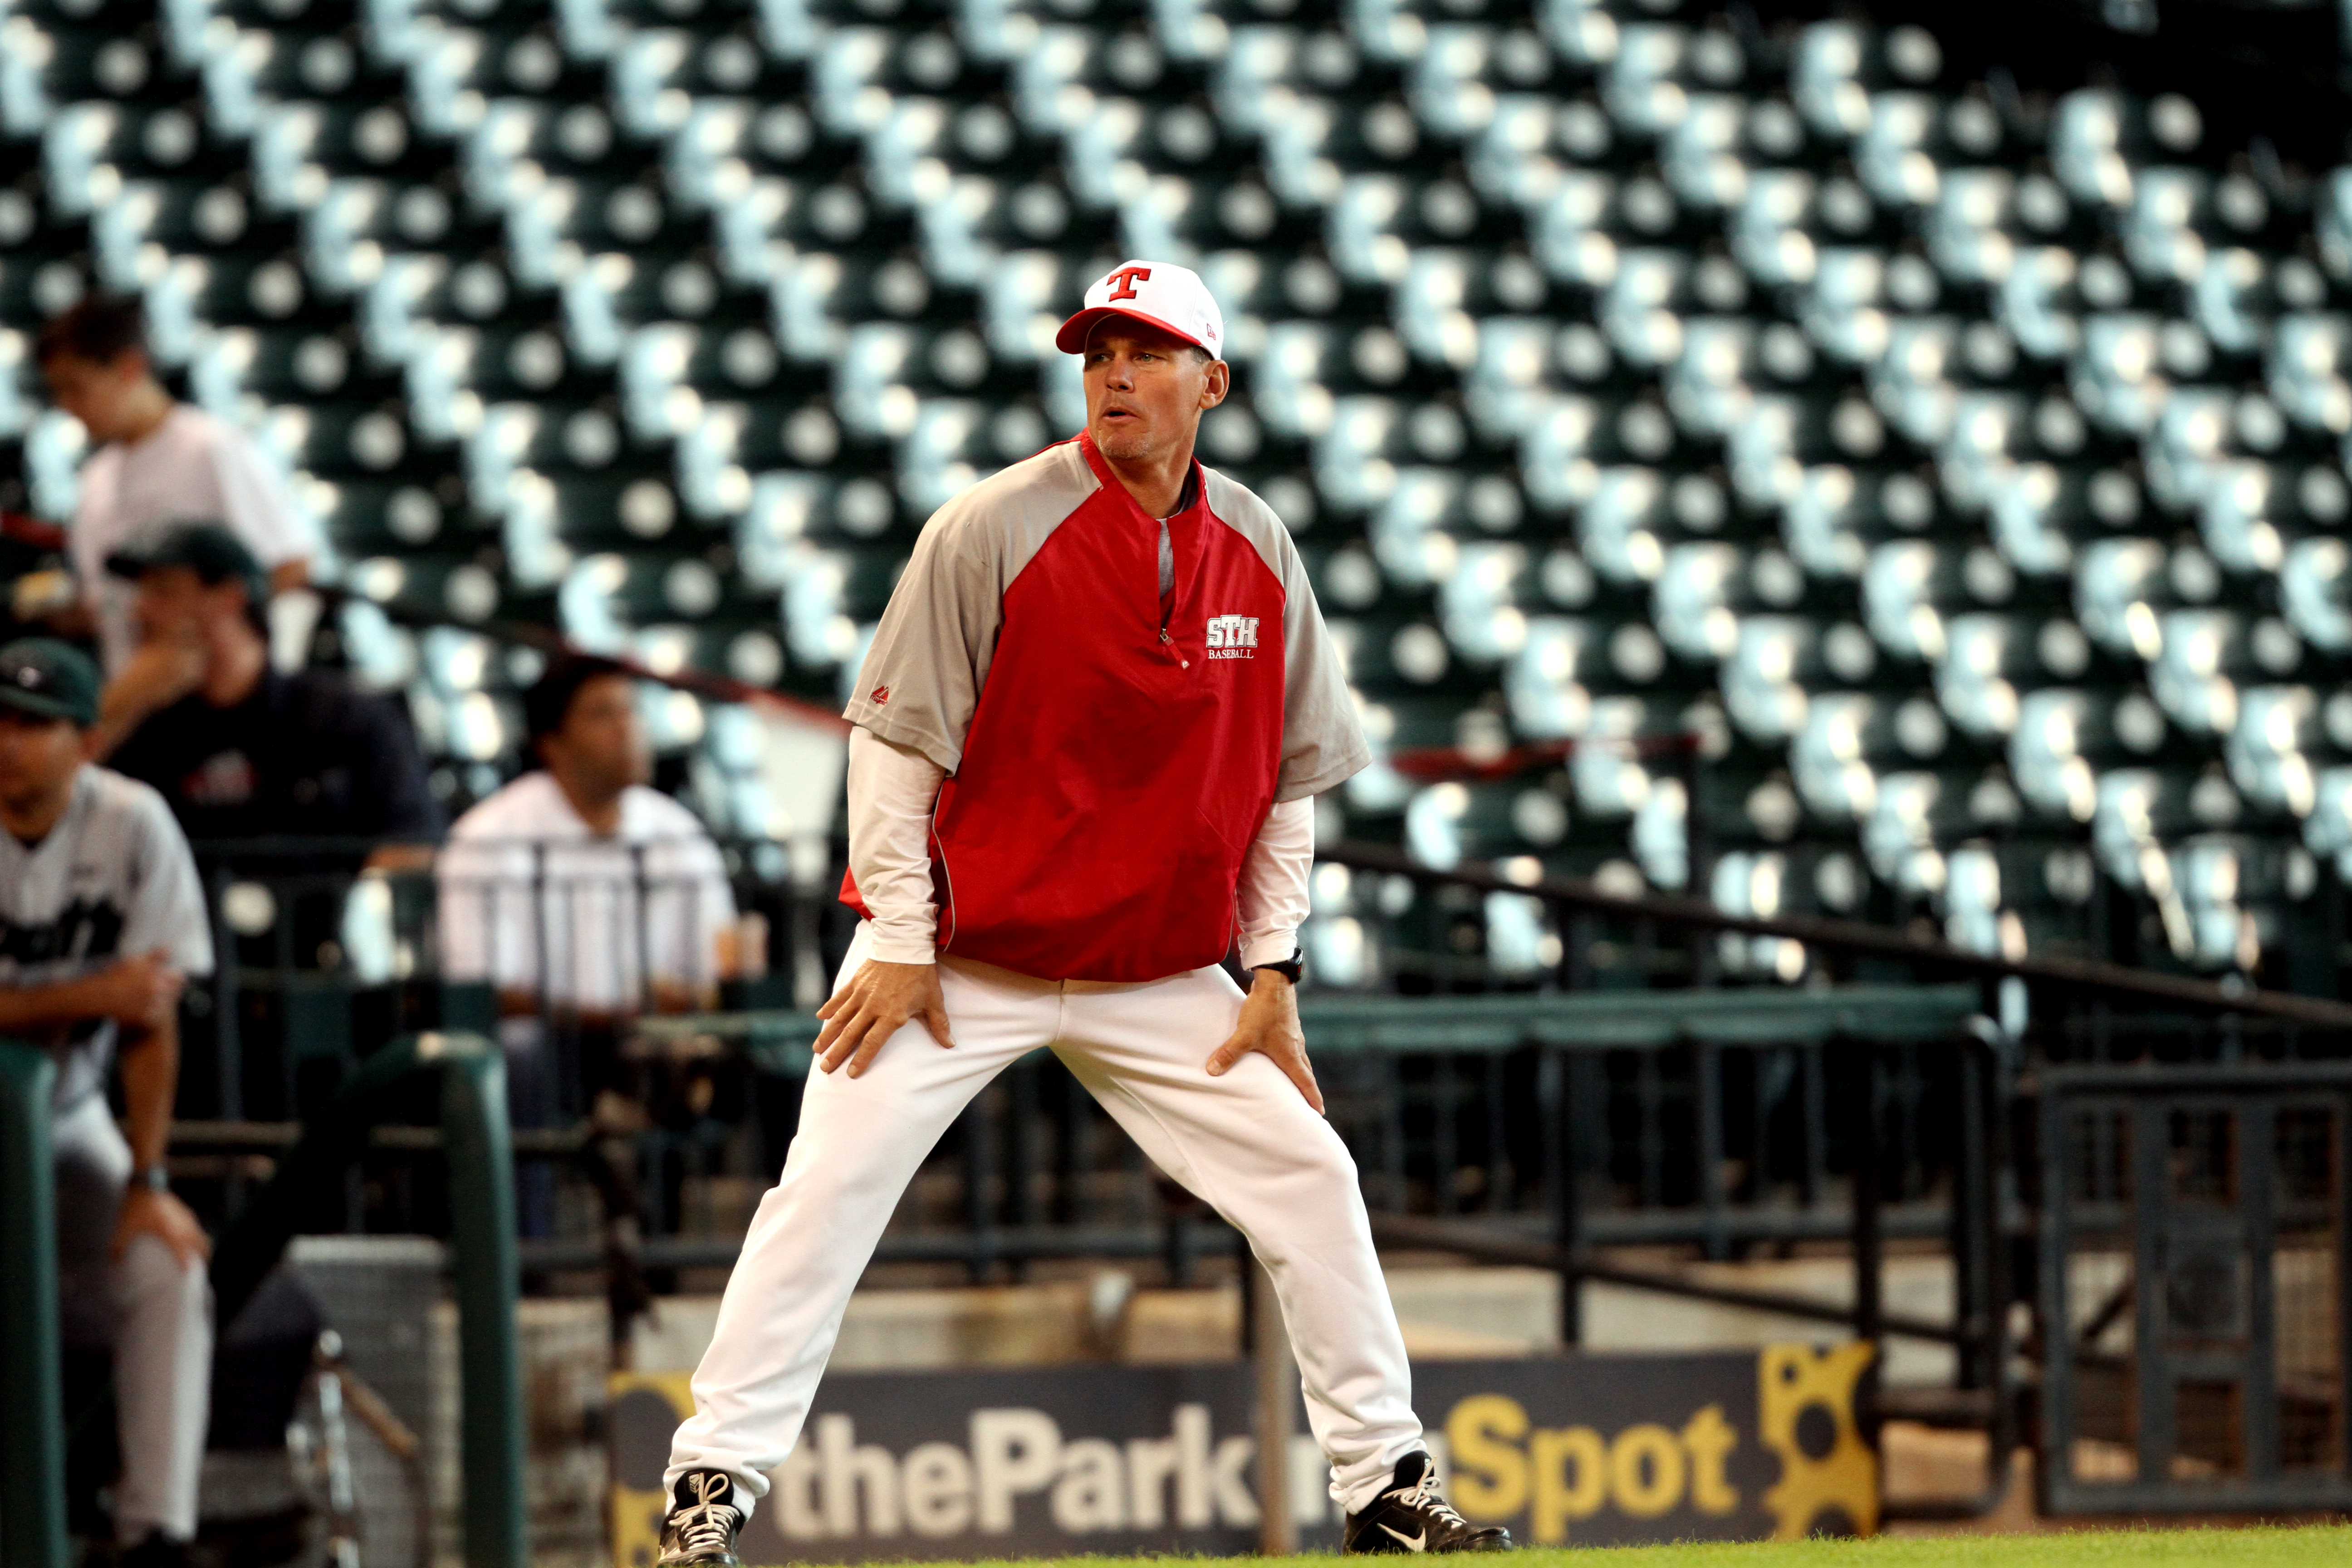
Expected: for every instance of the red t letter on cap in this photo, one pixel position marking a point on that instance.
(1125, 279)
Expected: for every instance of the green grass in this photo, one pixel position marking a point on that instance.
(2312, 1545)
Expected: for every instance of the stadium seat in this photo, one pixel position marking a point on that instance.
(1622, 372)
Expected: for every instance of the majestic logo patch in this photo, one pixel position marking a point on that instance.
(881, 695)
(1233, 637)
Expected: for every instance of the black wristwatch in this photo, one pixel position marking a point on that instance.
(154, 1178)
(1290, 968)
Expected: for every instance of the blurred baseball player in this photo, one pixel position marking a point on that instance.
(1088, 738)
(100, 918)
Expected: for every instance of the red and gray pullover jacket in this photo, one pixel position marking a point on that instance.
(1111, 750)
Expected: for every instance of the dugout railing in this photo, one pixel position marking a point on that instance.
(464, 1077)
(1445, 1106)
(1530, 1069)
(2197, 1211)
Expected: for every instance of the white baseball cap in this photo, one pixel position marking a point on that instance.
(1168, 295)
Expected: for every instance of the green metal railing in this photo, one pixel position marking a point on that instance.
(778, 1040)
(33, 1478)
(474, 1137)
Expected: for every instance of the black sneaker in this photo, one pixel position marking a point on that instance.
(1413, 1515)
(703, 1518)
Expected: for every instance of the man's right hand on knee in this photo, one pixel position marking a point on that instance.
(879, 1000)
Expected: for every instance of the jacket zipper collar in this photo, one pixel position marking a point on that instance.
(1195, 485)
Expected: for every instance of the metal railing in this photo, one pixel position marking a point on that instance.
(473, 1135)
(320, 958)
(1696, 1136)
(475, 1141)
(2210, 1410)
(2204, 1367)
(32, 1407)
(1529, 1127)
(1635, 1084)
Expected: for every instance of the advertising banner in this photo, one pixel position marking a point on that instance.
(1058, 1461)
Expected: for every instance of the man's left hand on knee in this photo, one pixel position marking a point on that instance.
(1269, 1025)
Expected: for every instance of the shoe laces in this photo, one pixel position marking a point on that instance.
(1424, 1496)
(708, 1524)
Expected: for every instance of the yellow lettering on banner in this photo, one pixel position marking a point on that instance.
(1490, 1474)
(1710, 1440)
(1646, 1470)
(1558, 1496)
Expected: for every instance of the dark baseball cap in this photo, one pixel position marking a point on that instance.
(207, 549)
(50, 679)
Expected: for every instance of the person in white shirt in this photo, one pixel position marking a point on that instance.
(578, 891)
(160, 465)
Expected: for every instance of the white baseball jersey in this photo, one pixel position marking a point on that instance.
(113, 879)
(609, 912)
(190, 468)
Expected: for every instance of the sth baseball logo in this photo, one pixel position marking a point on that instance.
(1233, 637)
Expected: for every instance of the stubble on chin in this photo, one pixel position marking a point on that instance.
(1125, 446)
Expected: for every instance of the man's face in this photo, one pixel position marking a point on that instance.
(175, 604)
(601, 744)
(37, 756)
(1145, 390)
(98, 392)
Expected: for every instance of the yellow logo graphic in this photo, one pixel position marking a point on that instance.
(636, 1516)
(1804, 1413)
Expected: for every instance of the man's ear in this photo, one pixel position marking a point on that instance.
(1216, 385)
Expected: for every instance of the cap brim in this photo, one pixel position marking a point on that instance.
(123, 563)
(41, 707)
(1072, 338)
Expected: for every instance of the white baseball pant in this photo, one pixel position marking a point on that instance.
(156, 1315)
(1247, 1143)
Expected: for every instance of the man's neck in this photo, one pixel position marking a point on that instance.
(1156, 483)
(149, 406)
(29, 821)
(598, 810)
(235, 667)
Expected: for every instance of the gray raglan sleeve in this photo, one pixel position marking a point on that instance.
(1322, 738)
(167, 901)
(922, 675)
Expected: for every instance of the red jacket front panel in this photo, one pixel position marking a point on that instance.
(1106, 776)
(1112, 780)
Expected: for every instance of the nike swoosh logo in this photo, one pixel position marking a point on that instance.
(1410, 1543)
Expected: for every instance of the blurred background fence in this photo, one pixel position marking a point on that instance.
(1613, 1086)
